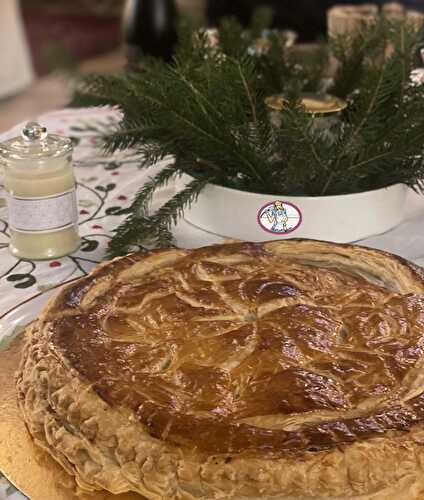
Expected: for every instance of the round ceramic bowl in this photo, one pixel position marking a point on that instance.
(257, 217)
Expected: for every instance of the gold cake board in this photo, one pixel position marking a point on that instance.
(27, 466)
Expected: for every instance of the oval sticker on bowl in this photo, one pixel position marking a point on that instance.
(279, 217)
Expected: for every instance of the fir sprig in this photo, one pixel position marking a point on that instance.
(206, 110)
(140, 229)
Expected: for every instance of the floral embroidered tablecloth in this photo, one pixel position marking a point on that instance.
(105, 187)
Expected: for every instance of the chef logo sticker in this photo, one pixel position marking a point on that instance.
(279, 217)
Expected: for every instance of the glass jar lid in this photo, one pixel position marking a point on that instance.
(35, 144)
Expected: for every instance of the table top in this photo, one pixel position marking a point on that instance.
(106, 186)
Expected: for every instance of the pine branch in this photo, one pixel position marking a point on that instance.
(101, 90)
(249, 94)
(173, 209)
(365, 116)
(144, 230)
(144, 196)
(297, 121)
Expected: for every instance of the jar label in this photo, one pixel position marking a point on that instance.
(43, 215)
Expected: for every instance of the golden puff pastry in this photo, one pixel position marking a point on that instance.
(280, 370)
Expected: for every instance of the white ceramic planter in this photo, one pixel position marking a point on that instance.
(251, 216)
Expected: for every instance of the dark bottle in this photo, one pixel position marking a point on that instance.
(149, 28)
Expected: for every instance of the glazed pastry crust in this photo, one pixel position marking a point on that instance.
(282, 370)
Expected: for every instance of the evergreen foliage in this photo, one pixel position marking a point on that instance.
(206, 112)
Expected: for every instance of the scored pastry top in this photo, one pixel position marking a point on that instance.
(253, 348)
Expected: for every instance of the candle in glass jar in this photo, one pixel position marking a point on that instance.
(40, 186)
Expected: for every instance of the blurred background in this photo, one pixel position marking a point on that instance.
(43, 41)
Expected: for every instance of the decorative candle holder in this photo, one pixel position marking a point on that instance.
(41, 197)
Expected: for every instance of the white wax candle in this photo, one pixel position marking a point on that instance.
(40, 183)
(42, 209)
